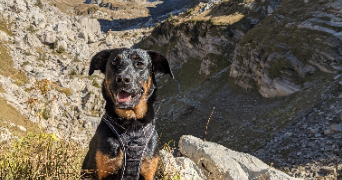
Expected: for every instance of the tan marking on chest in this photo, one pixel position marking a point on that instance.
(106, 165)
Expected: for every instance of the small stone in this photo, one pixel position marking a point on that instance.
(314, 131)
(270, 9)
(289, 134)
(329, 169)
(21, 128)
(318, 135)
(336, 127)
(327, 132)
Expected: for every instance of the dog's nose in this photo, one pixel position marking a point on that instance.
(123, 79)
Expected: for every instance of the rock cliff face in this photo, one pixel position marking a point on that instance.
(288, 47)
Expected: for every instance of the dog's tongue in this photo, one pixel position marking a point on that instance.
(124, 97)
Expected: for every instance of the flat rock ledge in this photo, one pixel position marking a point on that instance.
(219, 162)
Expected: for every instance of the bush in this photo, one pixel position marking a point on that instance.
(41, 156)
(95, 84)
(189, 11)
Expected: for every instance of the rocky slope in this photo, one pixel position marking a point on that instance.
(52, 50)
(275, 84)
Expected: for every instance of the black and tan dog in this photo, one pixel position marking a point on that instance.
(124, 144)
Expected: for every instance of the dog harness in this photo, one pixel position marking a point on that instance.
(133, 143)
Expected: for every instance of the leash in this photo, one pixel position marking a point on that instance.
(133, 144)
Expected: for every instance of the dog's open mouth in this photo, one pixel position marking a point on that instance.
(124, 97)
(126, 100)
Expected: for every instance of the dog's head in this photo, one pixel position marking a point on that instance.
(129, 78)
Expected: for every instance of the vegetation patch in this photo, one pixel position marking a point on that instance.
(66, 91)
(227, 19)
(31, 29)
(9, 114)
(85, 9)
(6, 63)
(6, 26)
(39, 4)
(41, 156)
(72, 74)
(60, 50)
(95, 84)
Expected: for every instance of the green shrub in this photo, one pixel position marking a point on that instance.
(95, 84)
(26, 63)
(31, 29)
(72, 74)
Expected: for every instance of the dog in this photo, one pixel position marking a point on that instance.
(125, 142)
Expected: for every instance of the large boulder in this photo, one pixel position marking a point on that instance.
(223, 163)
(91, 25)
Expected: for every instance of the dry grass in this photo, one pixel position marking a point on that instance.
(6, 63)
(220, 14)
(227, 19)
(9, 115)
(41, 156)
(126, 10)
(167, 171)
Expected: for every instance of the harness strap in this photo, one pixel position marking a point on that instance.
(133, 144)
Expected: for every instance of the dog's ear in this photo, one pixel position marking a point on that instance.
(159, 63)
(99, 61)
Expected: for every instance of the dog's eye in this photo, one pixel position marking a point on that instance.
(139, 64)
(135, 56)
(120, 56)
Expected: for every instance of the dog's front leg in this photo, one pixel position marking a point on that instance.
(149, 167)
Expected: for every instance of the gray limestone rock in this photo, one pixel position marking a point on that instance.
(3, 36)
(223, 163)
(90, 25)
(49, 37)
(32, 40)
